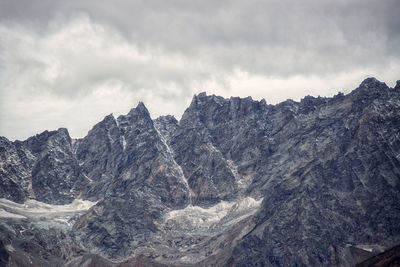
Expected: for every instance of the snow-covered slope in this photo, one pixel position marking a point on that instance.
(42, 213)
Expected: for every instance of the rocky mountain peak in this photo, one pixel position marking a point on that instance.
(208, 108)
(108, 120)
(195, 100)
(202, 99)
(138, 117)
(370, 88)
(368, 93)
(310, 103)
(38, 142)
(167, 126)
(371, 82)
(108, 128)
(63, 132)
(140, 110)
(168, 119)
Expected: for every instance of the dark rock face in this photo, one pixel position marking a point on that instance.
(24, 244)
(3, 255)
(56, 174)
(99, 154)
(224, 148)
(146, 183)
(43, 167)
(340, 184)
(189, 192)
(13, 172)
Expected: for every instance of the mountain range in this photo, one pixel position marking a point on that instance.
(234, 182)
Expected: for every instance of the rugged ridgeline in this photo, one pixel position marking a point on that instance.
(234, 182)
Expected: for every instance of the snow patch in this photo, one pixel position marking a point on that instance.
(193, 228)
(123, 143)
(371, 248)
(43, 213)
(10, 248)
(40, 207)
(87, 178)
(6, 214)
(219, 216)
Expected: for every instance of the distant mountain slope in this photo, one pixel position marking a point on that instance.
(235, 182)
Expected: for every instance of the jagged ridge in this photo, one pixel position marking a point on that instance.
(327, 170)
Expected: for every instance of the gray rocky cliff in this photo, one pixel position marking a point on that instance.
(99, 154)
(13, 172)
(235, 182)
(56, 176)
(224, 136)
(145, 184)
(42, 167)
(338, 186)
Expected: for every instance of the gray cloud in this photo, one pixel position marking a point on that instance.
(59, 59)
(243, 33)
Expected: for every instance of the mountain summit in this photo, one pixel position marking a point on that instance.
(235, 182)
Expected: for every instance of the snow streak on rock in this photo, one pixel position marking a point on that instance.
(37, 211)
(177, 166)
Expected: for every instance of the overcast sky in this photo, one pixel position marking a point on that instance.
(70, 63)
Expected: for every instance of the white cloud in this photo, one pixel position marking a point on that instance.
(275, 89)
(77, 70)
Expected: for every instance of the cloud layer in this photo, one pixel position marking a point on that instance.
(68, 64)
